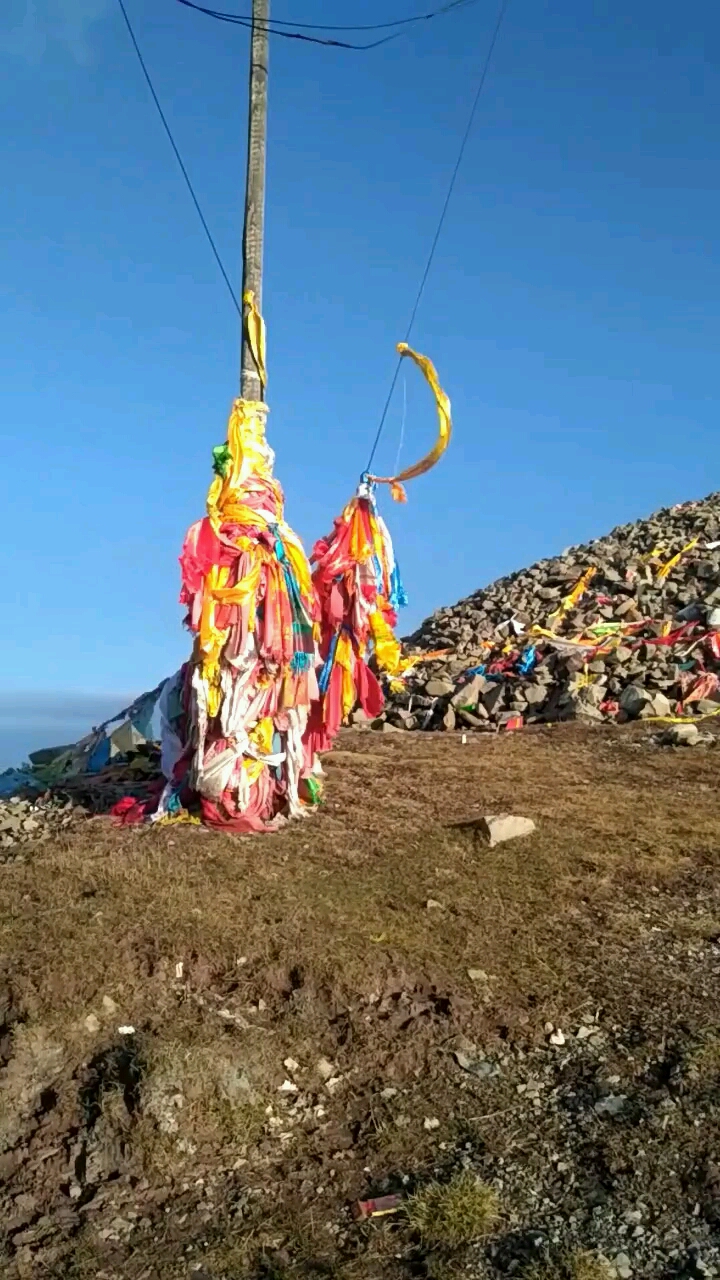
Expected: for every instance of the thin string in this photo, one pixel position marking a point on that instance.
(179, 159)
(396, 468)
(441, 222)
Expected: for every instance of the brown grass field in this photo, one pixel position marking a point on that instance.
(369, 1003)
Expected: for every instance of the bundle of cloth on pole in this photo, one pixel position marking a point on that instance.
(359, 591)
(282, 653)
(284, 649)
(249, 686)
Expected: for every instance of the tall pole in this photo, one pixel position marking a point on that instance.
(250, 385)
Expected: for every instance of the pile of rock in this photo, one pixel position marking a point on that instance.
(625, 627)
(28, 821)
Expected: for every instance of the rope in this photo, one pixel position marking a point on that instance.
(179, 159)
(401, 440)
(277, 28)
(441, 222)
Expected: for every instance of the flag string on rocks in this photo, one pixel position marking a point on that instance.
(626, 627)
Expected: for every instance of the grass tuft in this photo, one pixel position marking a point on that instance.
(704, 1060)
(581, 1264)
(454, 1213)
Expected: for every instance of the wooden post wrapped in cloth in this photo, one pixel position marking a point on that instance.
(251, 681)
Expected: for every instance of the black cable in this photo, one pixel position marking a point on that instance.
(179, 159)
(436, 238)
(327, 26)
(237, 20)
(291, 35)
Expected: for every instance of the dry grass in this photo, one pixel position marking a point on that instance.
(232, 956)
(704, 927)
(342, 896)
(704, 1061)
(196, 1099)
(579, 1265)
(455, 1213)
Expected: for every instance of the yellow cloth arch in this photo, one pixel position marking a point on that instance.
(444, 432)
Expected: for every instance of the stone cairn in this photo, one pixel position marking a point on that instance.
(626, 627)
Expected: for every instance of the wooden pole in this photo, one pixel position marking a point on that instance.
(250, 385)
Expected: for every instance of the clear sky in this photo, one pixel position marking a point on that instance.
(572, 309)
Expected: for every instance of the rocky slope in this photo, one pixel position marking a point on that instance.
(626, 626)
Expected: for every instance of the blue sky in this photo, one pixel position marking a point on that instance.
(572, 309)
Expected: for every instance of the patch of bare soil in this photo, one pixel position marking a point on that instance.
(212, 1047)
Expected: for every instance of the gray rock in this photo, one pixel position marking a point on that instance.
(469, 693)
(469, 1060)
(626, 608)
(470, 719)
(494, 698)
(499, 827)
(634, 699)
(659, 706)
(594, 694)
(587, 711)
(535, 694)
(681, 735)
(691, 612)
(612, 1105)
(439, 688)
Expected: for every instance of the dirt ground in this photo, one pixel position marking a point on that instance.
(211, 1047)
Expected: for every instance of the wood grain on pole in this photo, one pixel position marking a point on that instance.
(250, 385)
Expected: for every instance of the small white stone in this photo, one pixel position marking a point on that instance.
(622, 1266)
(477, 975)
(287, 1086)
(430, 1123)
(499, 827)
(557, 1037)
(92, 1023)
(325, 1069)
(432, 905)
(291, 1065)
(109, 1005)
(179, 969)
